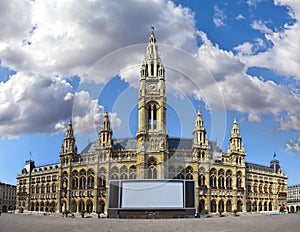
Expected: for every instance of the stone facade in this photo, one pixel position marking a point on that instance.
(293, 199)
(224, 181)
(7, 197)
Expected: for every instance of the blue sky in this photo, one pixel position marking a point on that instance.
(62, 60)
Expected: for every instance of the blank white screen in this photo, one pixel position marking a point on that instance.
(152, 194)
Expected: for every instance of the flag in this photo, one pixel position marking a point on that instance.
(274, 155)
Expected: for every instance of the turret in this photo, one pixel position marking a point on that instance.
(236, 148)
(235, 144)
(274, 164)
(69, 146)
(105, 134)
(199, 132)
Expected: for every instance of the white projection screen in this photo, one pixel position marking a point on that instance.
(152, 194)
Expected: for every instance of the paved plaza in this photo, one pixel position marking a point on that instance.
(244, 222)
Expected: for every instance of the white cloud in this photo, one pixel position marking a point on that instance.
(66, 38)
(261, 26)
(115, 121)
(70, 36)
(219, 62)
(293, 146)
(219, 17)
(15, 22)
(247, 48)
(283, 56)
(253, 118)
(242, 92)
(47, 41)
(87, 114)
(240, 17)
(32, 103)
(244, 49)
(291, 121)
(253, 3)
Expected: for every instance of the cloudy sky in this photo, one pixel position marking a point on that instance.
(74, 59)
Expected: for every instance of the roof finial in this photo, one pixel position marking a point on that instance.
(199, 112)
(152, 27)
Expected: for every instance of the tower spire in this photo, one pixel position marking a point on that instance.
(105, 134)
(152, 66)
(152, 132)
(69, 146)
(235, 144)
(199, 132)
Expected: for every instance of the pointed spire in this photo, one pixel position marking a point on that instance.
(152, 65)
(199, 121)
(105, 134)
(69, 146)
(235, 144)
(199, 131)
(105, 126)
(69, 131)
(235, 130)
(152, 38)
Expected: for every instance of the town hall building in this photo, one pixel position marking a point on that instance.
(79, 181)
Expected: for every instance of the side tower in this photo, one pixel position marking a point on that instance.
(236, 148)
(152, 134)
(236, 153)
(200, 140)
(68, 155)
(105, 134)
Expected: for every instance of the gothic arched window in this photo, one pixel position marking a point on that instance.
(152, 170)
(152, 116)
(213, 178)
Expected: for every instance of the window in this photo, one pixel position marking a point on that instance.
(75, 182)
(82, 182)
(54, 188)
(152, 171)
(48, 188)
(255, 187)
(213, 178)
(239, 179)
(152, 116)
(201, 179)
(42, 188)
(221, 178)
(90, 182)
(132, 172)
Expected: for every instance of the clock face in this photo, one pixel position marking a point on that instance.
(152, 87)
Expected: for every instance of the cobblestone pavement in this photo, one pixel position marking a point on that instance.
(244, 222)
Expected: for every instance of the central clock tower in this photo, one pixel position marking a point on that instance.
(152, 134)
